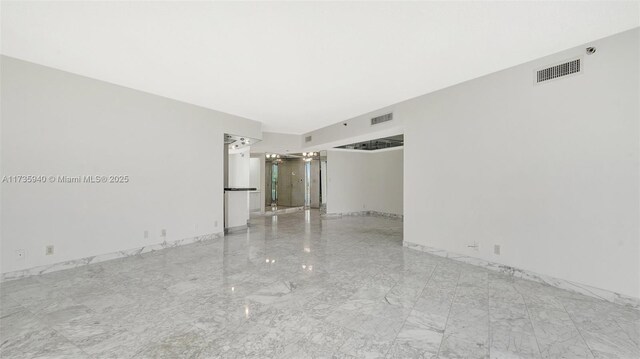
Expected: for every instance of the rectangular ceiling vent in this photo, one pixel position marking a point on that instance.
(381, 119)
(307, 139)
(554, 72)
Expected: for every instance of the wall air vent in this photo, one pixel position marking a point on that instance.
(553, 72)
(381, 119)
(307, 139)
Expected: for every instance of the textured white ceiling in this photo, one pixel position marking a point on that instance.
(298, 66)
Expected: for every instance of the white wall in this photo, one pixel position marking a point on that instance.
(273, 142)
(254, 172)
(256, 179)
(365, 181)
(549, 172)
(388, 170)
(57, 123)
(239, 168)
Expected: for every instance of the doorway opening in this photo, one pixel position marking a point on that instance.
(307, 184)
(274, 184)
(292, 181)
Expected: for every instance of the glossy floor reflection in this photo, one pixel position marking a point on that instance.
(297, 286)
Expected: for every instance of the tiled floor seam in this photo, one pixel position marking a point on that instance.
(526, 307)
(578, 329)
(414, 305)
(52, 328)
(637, 344)
(385, 296)
(453, 300)
(489, 316)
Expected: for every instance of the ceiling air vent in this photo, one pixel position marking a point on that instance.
(553, 72)
(307, 139)
(381, 119)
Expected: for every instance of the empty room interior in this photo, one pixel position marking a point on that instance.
(320, 179)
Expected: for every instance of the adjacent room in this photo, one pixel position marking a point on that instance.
(319, 179)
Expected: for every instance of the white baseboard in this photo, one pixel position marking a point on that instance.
(103, 257)
(364, 213)
(541, 278)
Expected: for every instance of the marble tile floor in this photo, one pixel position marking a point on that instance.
(298, 286)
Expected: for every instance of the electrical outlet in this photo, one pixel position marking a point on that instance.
(20, 254)
(163, 233)
(496, 249)
(215, 224)
(146, 234)
(48, 251)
